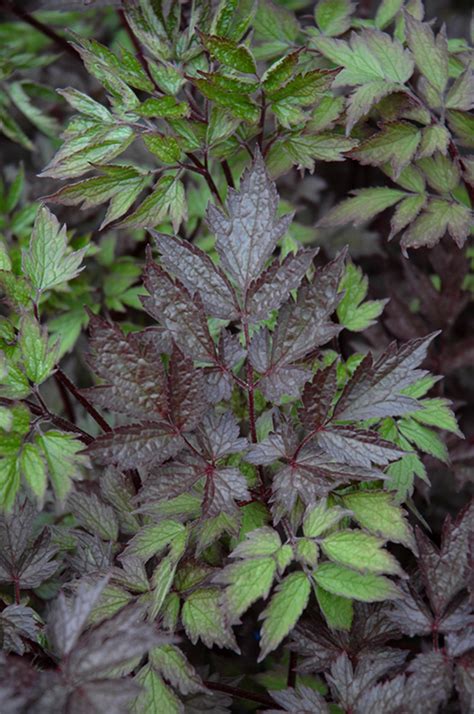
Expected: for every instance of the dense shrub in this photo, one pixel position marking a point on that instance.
(216, 439)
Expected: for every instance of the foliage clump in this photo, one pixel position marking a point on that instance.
(230, 486)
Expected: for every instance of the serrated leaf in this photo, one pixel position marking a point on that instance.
(350, 584)
(156, 696)
(163, 108)
(436, 218)
(437, 412)
(406, 212)
(197, 272)
(171, 663)
(48, 262)
(366, 204)
(338, 611)
(154, 538)
(371, 55)
(247, 582)
(396, 144)
(39, 353)
(377, 512)
(229, 53)
(64, 458)
(33, 469)
(352, 311)
(166, 202)
(376, 386)
(166, 148)
(333, 17)
(98, 144)
(248, 235)
(120, 185)
(320, 518)
(283, 611)
(360, 551)
(423, 438)
(430, 53)
(203, 619)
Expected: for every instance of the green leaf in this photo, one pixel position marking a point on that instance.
(39, 353)
(283, 611)
(120, 184)
(406, 212)
(320, 518)
(65, 462)
(9, 482)
(355, 314)
(10, 129)
(304, 150)
(258, 543)
(338, 611)
(371, 56)
(350, 584)
(48, 261)
(395, 144)
(166, 202)
(163, 108)
(376, 511)
(386, 12)
(423, 438)
(462, 124)
(229, 53)
(97, 144)
(171, 663)
(366, 204)
(166, 148)
(333, 17)
(438, 217)
(441, 173)
(430, 53)
(360, 551)
(156, 697)
(162, 582)
(434, 138)
(247, 582)
(86, 105)
(154, 538)
(239, 105)
(33, 469)
(203, 619)
(437, 412)
(279, 72)
(307, 552)
(461, 93)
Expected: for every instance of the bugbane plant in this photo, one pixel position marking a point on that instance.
(223, 514)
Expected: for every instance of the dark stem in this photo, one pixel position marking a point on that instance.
(456, 156)
(250, 389)
(262, 121)
(251, 401)
(227, 173)
(242, 694)
(206, 173)
(291, 681)
(138, 50)
(71, 387)
(64, 424)
(44, 29)
(66, 399)
(16, 583)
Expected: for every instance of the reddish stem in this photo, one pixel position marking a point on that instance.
(71, 387)
(242, 694)
(292, 669)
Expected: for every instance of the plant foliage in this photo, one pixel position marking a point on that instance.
(237, 459)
